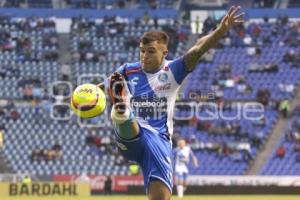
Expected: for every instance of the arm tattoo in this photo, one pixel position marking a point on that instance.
(192, 57)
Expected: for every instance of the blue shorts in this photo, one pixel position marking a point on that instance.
(153, 152)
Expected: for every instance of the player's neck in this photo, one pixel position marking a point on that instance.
(156, 70)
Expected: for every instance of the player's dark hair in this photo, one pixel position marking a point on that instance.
(152, 36)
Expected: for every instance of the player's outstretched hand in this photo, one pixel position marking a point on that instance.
(232, 18)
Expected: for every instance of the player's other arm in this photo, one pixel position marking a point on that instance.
(174, 155)
(191, 58)
(195, 160)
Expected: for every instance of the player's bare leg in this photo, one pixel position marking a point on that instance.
(158, 191)
(184, 186)
(180, 188)
(126, 125)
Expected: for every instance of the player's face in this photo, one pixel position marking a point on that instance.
(181, 144)
(152, 56)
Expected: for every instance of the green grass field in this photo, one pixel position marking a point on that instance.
(188, 197)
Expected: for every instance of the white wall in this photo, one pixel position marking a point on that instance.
(63, 25)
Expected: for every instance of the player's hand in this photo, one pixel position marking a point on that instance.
(231, 18)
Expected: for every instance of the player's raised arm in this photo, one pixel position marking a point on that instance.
(191, 58)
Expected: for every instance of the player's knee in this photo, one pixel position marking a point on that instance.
(159, 196)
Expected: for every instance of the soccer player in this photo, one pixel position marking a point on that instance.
(143, 96)
(182, 155)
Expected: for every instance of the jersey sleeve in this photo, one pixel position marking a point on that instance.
(178, 69)
(122, 69)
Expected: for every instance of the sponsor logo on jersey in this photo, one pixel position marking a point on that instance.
(134, 81)
(150, 107)
(160, 102)
(163, 87)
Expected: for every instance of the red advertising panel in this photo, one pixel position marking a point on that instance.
(121, 183)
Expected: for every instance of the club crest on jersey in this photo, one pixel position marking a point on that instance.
(163, 77)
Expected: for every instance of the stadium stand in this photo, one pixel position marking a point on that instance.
(40, 4)
(255, 62)
(294, 4)
(29, 55)
(33, 128)
(285, 158)
(249, 65)
(92, 4)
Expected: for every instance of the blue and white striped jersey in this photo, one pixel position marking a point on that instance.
(152, 96)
